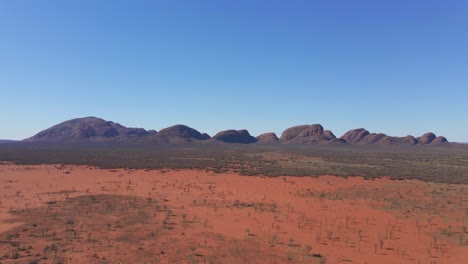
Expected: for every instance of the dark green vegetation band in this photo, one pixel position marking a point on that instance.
(437, 164)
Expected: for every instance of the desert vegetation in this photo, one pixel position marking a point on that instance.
(71, 214)
(438, 163)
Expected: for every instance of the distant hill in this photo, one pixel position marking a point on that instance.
(88, 129)
(180, 134)
(309, 134)
(93, 129)
(235, 136)
(362, 136)
(2, 141)
(268, 138)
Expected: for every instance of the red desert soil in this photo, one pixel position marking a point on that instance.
(79, 214)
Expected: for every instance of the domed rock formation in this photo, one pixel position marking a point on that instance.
(235, 136)
(268, 138)
(179, 134)
(410, 140)
(306, 134)
(375, 138)
(439, 140)
(362, 136)
(384, 139)
(427, 138)
(93, 129)
(355, 135)
(86, 129)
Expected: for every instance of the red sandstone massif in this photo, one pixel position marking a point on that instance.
(92, 129)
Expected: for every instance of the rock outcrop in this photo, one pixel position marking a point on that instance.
(87, 129)
(439, 140)
(427, 138)
(306, 134)
(268, 138)
(355, 136)
(362, 136)
(235, 136)
(93, 129)
(179, 134)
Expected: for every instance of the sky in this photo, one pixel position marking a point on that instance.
(397, 67)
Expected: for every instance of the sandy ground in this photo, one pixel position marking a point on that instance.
(79, 214)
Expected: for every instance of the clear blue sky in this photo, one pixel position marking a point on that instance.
(398, 67)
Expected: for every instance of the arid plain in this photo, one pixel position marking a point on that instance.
(83, 214)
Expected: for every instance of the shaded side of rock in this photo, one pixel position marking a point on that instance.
(133, 132)
(235, 136)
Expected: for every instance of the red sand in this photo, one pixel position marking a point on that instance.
(227, 218)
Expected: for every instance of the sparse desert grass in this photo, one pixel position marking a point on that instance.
(189, 216)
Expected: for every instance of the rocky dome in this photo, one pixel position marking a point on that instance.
(384, 139)
(86, 129)
(306, 134)
(235, 136)
(375, 138)
(180, 133)
(410, 140)
(362, 136)
(268, 138)
(427, 138)
(439, 140)
(355, 135)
